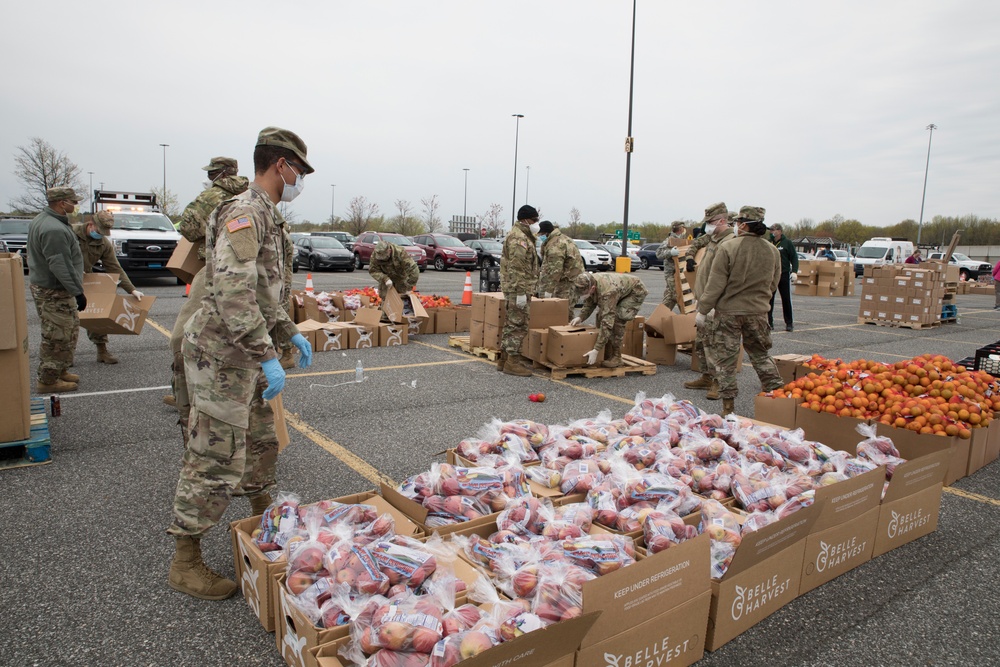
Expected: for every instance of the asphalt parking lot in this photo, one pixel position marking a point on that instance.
(84, 574)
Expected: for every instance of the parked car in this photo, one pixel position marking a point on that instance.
(615, 248)
(594, 259)
(841, 255)
(806, 256)
(295, 236)
(14, 233)
(365, 243)
(445, 252)
(648, 258)
(322, 252)
(969, 269)
(488, 251)
(616, 252)
(347, 239)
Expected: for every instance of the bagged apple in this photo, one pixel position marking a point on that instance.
(724, 531)
(278, 522)
(559, 594)
(306, 556)
(600, 554)
(404, 560)
(880, 450)
(580, 477)
(455, 648)
(662, 529)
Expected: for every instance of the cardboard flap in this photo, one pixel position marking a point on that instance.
(773, 538)
(566, 329)
(918, 474)
(98, 283)
(849, 499)
(539, 647)
(368, 316)
(410, 508)
(280, 429)
(392, 305)
(418, 308)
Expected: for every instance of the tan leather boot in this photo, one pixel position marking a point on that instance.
(501, 360)
(728, 406)
(189, 574)
(104, 356)
(70, 377)
(704, 382)
(514, 366)
(259, 503)
(57, 387)
(170, 400)
(713, 391)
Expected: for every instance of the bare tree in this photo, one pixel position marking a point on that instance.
(431, 219)
(166, 201)
(574, 222)
(288, 213)
(360, 212)
(493, 220)
(39, 167)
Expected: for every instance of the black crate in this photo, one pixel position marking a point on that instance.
(988, 359)
(489, 279)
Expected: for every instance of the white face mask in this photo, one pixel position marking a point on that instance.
(534, 227)
(290, 192)
(205, 185)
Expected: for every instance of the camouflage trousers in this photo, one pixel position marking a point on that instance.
(670, 288)
(60, 331)
(516, 326)
(568, 292)
(178, 381)
(232, 449)
(725, 350)
(703, 346)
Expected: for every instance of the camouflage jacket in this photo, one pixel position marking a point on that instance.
(611, 289)
(101, 250)
(661, 252)
(705, 268)
(744, 275)
(561, 262)
(399, 267)
(697, 245)
(244, 283)
(191, 223)
(54, 257)
(519, 262)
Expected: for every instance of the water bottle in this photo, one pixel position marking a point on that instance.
(359, 372)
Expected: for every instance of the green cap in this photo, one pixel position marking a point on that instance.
(275, 136)
(105, 222)
(222, 163)
(716, 211)
(61, 194)
(751, 214)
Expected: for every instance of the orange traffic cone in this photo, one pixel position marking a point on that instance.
(309, 283)
(467, 292)
(187, 291)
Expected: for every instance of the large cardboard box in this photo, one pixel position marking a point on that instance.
(535, 344)
(831, 552)
(494, 309)
(108, 312)
(660, 351)
(324, 336)
(476, 330)
(395, 306)
(15, 390)
(673, 327)
(635, 336)
(184, 261)
(360, 336)
(789, 365)
(444, 320)
(567, 345)
(463, 319)
(392, 335)
(492, 336)
(777, 411)
(545, 313)
(908, 518)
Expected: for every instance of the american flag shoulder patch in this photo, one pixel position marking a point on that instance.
(239, 223)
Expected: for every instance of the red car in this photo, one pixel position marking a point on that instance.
(445, 251)
(365, 243)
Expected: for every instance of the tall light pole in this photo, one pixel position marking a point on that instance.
(163, 204)
(527, 182)
(333, 203)
(90, 196)
(513, 203)
(465, 205)
(623, 263)
(920, 225)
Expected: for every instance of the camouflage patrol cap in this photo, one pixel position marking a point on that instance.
(105, 222)
(222, 163)
(677, 225)
(751, 214)
(716, 211)
(583, 281)
(61, 194)
(382, 250)
(732, 216)
(275, 136)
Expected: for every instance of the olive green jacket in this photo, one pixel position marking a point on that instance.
(54, 257)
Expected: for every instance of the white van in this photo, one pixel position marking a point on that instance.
(881, 250)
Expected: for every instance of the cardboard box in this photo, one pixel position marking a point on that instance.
(15, 390)
(107, 311)
(545, 313)
(427, 325)
(463, 319)
(492, 335)
(324, 336)
(913, 445)
(806, 290)
(789, 364)
(777, 411)
(392, 335)
(413, 325)
(395, 306)
(635, 335)
(184, 262)
(486, 305)
(418, 514)
(476, 334)
(673, 327)
(660, 351)
(675, 638)
(567, 345)
(904, 520)
(494, 309)
(535, 344)
(444, 320)
(832, 552)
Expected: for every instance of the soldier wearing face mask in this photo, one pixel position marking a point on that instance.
(55, 272)
(223, 183)
(561, 263)
(97, 247)
(518, 281)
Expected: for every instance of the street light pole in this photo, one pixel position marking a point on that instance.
(623, 263)
(527, 182)
(333, 203)
(920, 225)
(163, 204)
(465, 205)
(513, 203)
(91, 195)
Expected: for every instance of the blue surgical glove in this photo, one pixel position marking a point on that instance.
(275, 375)
(299, 341)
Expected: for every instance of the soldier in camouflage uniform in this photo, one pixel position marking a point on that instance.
(744, 275)
(223, 183)
(561, 263)
(666, 252)
(392, 267)
(55, 272)
(617, 298)
(231, 362)
(96, 247)
(716, 230)
(518, 281)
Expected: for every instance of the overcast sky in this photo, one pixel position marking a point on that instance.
(808, 109)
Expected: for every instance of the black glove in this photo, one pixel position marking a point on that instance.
(690, 264)
(81, 301)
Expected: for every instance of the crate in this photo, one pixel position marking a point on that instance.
(489, 279)
(35, 450)
(988, 359)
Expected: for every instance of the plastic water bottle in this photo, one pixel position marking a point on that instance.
(359, 372)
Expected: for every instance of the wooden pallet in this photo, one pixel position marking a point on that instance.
(899, 325)
(463, 343)
(34, 451)
(685, 294)
(629, 365)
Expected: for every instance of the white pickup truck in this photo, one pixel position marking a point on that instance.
(968, 268)
(144, 238)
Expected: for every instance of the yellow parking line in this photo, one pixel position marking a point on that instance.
(972, 496)
(349, 458)
(159, 328)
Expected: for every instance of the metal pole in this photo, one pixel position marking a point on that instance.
(920, 225)
(91, 195)
(628, 140)
(527, 183)
(333, 202)
(163, 204)
(513, 202)
(465, 206)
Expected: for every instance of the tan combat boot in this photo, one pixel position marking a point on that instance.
(728, 406)
(70, 377)
(188, 574)
(615, 360)
(104, 356)
(514, 365)
(713, 391)
(259, 503)
(501, 360)
(57, 387)
(170, 400)
(704, 382)
(288, 359)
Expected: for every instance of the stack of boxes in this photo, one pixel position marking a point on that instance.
(901, 294)
(824, 278)
(15, 391)
(489, 312)
(354, 329)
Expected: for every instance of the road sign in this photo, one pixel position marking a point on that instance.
(633, 236)
(618, 233)
(482, 232)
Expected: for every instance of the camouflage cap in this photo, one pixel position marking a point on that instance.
(105, 222)
(583, 281)
(61, 194)
(716, 211)
(751, 214)
(220, 163)
(677, 225)
(731, 217)
(275, 136)
(382, 250)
